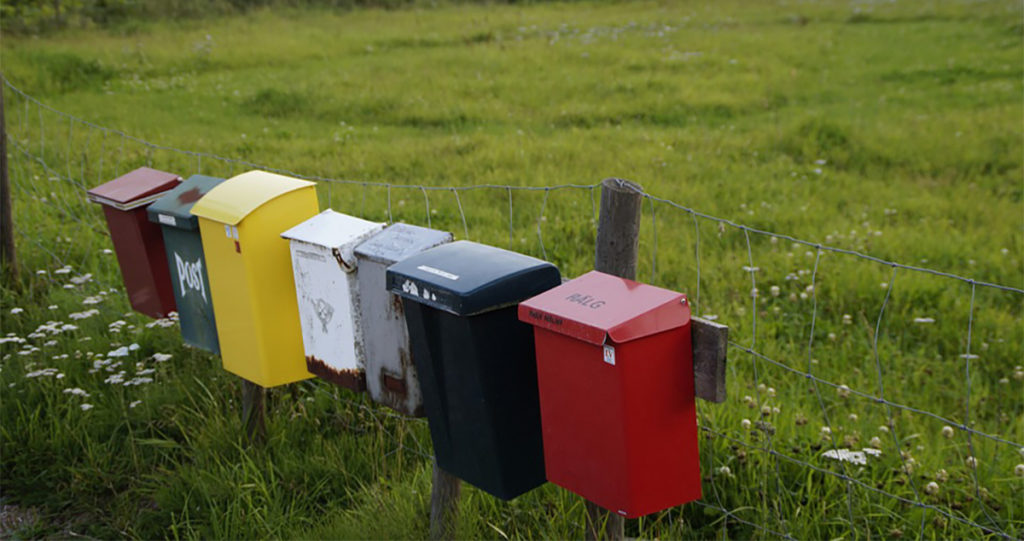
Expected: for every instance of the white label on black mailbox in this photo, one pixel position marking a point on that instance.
(438, 272)
(165, 219)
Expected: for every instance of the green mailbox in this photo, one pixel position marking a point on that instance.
(185, 258)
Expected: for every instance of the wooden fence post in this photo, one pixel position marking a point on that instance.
(618, 241)
(254, 412)
(8, 255)
(444, 504)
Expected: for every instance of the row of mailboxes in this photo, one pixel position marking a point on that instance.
(524, 379)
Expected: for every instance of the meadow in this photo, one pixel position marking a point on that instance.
(770, 136)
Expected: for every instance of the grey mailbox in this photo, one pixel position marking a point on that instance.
(390, 373)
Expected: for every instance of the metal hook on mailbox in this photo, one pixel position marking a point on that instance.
(341, 261)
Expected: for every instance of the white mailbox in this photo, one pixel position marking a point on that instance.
(390, 373)
(324, 266)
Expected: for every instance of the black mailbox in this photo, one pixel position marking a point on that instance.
(476, 361)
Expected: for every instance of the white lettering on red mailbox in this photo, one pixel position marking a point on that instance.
(585, 300)
(191, 275)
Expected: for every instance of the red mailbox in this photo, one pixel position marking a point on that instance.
(615, 374)
(137, 241)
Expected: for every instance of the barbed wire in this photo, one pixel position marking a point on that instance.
(28, 151)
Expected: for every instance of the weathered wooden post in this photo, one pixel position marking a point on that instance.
(444, 504)
(618, 241)
(254, 411)
(8, 255)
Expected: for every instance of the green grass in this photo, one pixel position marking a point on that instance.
(890, 129)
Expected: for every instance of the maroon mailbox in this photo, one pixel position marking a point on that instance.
(615, 374)
(137, 241)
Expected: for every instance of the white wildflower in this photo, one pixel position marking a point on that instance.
(66, 269)
(84, 315)
(924, 320)
(947, 432)
(771, 392)
(971, 462)
(871, 451)
(725, 471)
(76, 391)
(79, 280)
(52, 307)
(942, 476)
(774, 290)
(846, 455)
(876, 442)
(107, 251)
(17, 310)
(932, 488)
(133, 347)
(847, 319)
(853, 417)
(161, 357)
(86, 407)
(745, 424)
(92, 300)
(119, 352)
(1018, 470)
(145, 372)
(134, 403)
(41, 272)
(843, 391)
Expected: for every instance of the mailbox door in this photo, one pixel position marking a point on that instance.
(391, 377)
(236, 327)
(191, 284)
(484, 417)
(253, 290)
(140, 255)
(333, 347)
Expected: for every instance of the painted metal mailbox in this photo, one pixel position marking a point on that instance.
(185, 260)
(137, 242)
(615, 370)
(476, 361)
(250, 271)
(391, 377)
(324, 266)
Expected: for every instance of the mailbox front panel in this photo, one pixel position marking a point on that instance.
(191, 284)
(480, 396)
(622, 435)
(332, 341)
(253, 290)
(391, 377)
(139, 246)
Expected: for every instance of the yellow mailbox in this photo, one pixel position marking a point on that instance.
(250, 270)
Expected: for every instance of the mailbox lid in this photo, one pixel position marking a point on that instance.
(466, 278)
(399, 241)
(334, 231)
(174, 207)
(134, 189)
(232, 200)
(597, 306)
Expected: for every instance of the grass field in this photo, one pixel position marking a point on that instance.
(892, 129)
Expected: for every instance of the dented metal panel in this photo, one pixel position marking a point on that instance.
(391, 377)
(328, 299)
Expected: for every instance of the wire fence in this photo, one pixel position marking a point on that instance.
(868, 383)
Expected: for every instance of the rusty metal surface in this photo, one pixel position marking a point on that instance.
(348, 378)
(391, 377)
